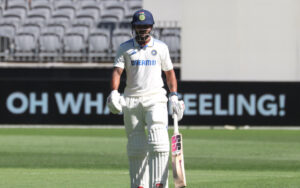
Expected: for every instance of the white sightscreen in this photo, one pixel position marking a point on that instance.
(247, 40)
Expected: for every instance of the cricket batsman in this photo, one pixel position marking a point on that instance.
(145, 103)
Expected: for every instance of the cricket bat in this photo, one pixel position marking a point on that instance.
(177, 157)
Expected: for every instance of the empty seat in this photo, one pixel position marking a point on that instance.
(14, 15)
(119, 36)
(113, 5)
(17, 4)
(58, 28)
(156, 33)
(111, 16)
(65, 4)
(8, 28)
(44, 5)
(32, 27)
(63, 14)
(91, 5)
(55, 22)
(172, 38)
(107, 25)
(88, 17)
(74, 44)
(134, 5)
(50, 45)
(128, 15)
(88, 14)
(38, 15)
(25, 46)
(82, 27)
(99, 44)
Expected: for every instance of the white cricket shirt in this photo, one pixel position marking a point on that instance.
(143, 66)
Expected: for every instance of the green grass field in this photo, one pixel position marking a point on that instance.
(90, 158)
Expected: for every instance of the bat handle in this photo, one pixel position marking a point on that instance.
(175, 119)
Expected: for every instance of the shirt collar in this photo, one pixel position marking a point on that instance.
(149, 44)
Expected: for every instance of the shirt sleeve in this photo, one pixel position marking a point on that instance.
(166, 64)
(119, 59)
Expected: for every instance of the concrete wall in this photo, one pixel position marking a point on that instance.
(247, 40)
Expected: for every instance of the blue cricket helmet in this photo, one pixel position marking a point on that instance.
(142, 17)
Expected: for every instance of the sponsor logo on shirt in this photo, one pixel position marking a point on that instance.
(143, 62)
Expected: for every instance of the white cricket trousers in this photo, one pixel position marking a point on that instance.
(146, 124)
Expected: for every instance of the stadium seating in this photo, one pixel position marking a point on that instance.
(63, 15)
(134, 5)
(8, 28)
(4, 47)
(17, 15)
(91, 6)
(38, 15)
(71, 30)
(17, 5)
(50, 45)
(172, 38)
(25, 45)
(44, 5)
(99, 45)
(119, 36)
(75, 44)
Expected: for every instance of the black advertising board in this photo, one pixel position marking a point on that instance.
(55, 102)
(207, 103)
(241, 103)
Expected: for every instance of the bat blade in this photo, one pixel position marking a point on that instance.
(178, 161)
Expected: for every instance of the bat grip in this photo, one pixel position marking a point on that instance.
(175, 119)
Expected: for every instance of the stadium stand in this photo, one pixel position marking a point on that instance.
(25, 45)
(50, 43)
(119, 36)
(99, 45)
(43, 5)
(38, 15)
(71, 30)
(172, 38)
(17, 4)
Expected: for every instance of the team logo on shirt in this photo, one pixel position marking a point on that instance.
(154, 52)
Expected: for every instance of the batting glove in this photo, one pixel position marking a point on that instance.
(115, 102)
(177, 107)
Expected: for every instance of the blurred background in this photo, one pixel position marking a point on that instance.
(238, 69)
(237, 61)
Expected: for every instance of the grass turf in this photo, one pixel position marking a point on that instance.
(97, 158)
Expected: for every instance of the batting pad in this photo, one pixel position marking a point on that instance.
(138, 159)
(139, 172)
(158, 166)
(158, 140)
(137, 144)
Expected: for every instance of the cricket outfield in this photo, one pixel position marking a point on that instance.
(89, 158)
